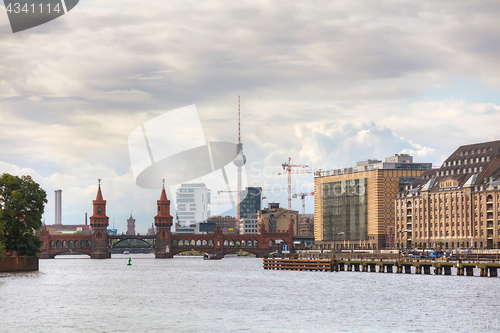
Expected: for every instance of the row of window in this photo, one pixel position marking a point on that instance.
(447, 234)
(472, 152)
(186, 190)
(472, 160)
(489, 198)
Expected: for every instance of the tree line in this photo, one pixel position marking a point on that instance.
(22, 203)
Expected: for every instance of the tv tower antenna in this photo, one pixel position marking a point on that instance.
(239, 161)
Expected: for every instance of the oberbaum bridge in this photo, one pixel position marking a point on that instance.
(99, 244)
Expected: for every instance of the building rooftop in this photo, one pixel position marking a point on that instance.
(469, 165)
(395, 162)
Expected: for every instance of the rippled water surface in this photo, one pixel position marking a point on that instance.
(189, 294)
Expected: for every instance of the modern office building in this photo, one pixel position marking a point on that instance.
(131, 225)
(354, 207)
(58, 207)
(192, 205)
(457, 205)
(250, 204)
(276, 218)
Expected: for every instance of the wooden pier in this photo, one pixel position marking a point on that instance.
(421, 266)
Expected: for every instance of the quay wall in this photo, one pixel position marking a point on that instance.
(17, 264)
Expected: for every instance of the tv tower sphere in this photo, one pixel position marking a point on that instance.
(240, 160)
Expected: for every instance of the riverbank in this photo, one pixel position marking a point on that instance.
(19, 264)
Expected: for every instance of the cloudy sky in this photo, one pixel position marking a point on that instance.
(327, 83)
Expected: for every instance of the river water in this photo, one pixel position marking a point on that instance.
(189, 294)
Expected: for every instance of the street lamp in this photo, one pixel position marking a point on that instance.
(334, 245)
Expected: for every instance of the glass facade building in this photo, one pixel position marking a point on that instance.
(251, 202)
(345, 210)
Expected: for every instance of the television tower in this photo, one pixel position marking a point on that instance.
(239, 161)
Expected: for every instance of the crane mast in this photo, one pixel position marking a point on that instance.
(288, 168)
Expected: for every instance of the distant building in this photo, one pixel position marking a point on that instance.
(227, 223)
(249, 225)
(58, 207)
(192, 205)
(131, 225)
(68, 229)
(457, 205)
(306, 225)
(152, 230)
(278, 219)
(354, 207)
(251, 202)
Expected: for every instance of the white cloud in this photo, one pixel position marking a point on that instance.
(326, 83)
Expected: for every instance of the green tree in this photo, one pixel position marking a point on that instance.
(2, 246)
(21, 205)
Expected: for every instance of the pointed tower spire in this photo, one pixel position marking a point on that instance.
(163, 193)
(99, 194)
(239, 122)
(163, 223)
(99, 223)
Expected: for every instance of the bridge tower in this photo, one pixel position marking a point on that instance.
(99, 223)
(163, 223)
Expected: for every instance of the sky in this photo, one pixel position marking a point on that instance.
(327, 83)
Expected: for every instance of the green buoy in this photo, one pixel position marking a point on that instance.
(129, 261)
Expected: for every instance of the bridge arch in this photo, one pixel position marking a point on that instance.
(66, 251)
(125, 243)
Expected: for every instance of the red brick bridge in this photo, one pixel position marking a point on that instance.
(98, 245)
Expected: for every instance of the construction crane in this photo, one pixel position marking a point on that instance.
(288, 168)
(303, 197)
(263, 190)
